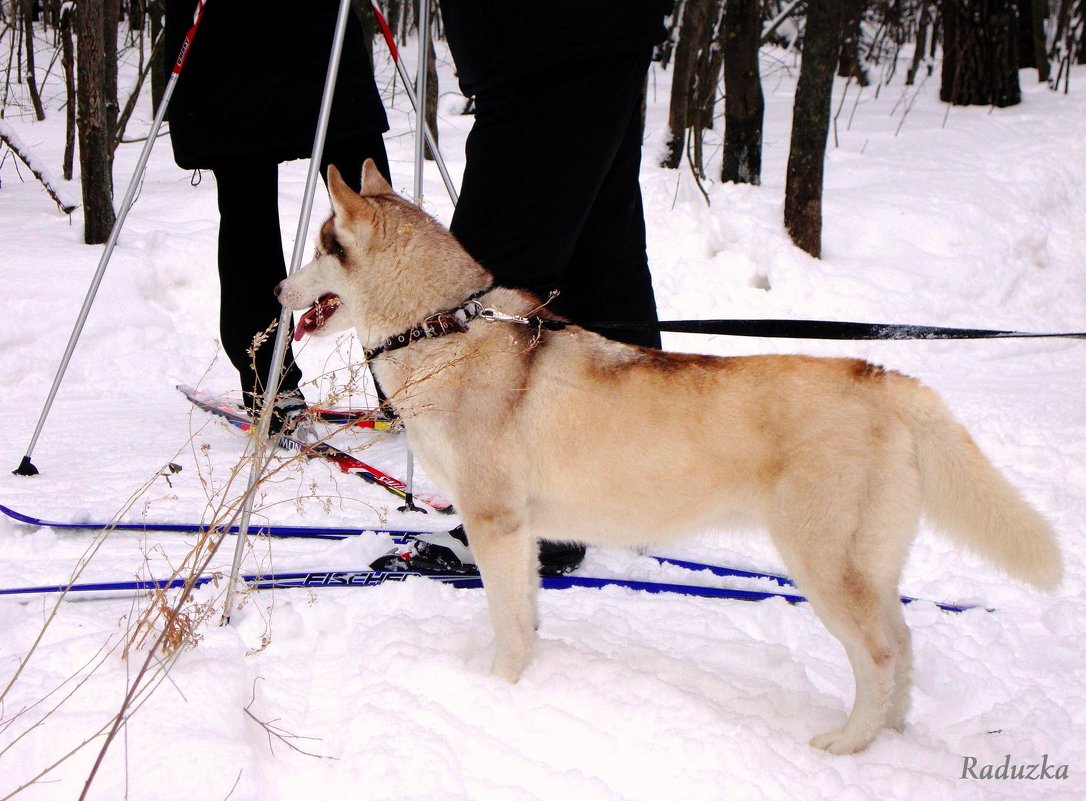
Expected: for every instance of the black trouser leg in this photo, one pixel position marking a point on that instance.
(550, 196)
(251, 261)
(608, 277)
(251, 264)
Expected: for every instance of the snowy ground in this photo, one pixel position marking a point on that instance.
(969, 217)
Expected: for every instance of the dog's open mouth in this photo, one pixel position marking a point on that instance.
(317, 315)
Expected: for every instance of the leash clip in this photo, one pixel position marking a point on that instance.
(492, 315)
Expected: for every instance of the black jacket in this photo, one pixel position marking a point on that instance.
(254, 77)
(496, 41)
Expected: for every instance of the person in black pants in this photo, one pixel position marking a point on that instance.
(550, 197)
(247, 99)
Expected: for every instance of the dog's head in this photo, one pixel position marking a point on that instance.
(382, 265)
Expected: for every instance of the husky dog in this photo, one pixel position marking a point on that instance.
(541, 431)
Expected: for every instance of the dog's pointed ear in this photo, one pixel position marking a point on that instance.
(373, 183)
(341, 195)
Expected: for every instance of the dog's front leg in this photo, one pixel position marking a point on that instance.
(508, 561)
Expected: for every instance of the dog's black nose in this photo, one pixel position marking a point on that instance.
(278, 288)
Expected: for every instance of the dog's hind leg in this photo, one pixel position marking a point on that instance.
(508, 560)
(850, 578)
(853, 611)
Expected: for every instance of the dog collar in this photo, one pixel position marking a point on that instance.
(451, 321)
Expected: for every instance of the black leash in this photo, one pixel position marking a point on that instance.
(817, 329)
(784, 329)
(456, 320)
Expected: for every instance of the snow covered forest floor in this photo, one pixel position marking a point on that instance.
(962, 216)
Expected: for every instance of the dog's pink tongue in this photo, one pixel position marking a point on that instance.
(316, 315)
(303, 323)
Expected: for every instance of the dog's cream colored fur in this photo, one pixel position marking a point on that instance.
(562, 434)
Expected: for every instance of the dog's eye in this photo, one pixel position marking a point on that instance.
(330, 245)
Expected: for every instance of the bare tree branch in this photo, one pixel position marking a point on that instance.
(8, 137)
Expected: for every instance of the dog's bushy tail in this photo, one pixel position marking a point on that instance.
(968, 498)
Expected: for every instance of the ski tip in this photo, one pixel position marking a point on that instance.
(18, 516)
(25, 468)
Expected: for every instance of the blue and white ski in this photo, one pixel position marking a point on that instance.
(373, 578)
(360, 578)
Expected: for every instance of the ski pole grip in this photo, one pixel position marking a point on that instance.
(187, 43)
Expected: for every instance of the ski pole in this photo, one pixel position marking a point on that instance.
(423, 135)
(419, 114)
(421, 128)
(26, 467)
(260, 441)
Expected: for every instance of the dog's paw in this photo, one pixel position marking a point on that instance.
(840, 742)
(508, 667)
(895, 719)
(896, 722)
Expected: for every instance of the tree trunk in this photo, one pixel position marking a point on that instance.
(111, 16)
(156, 9)
(695, 36)
(1032, 52)
(810, 125)
(430, 106)
(68, 63)
(1080, 26)
(130, 106)
(95, 130)
(707, 76)
(137, 16)
(704, 90)
(31, 79)
(980, 53)
(744, 104)
(849, 64)
(1039, 9)
(1027, 56)
(1067, 41)
(924, 24)
(392, 15)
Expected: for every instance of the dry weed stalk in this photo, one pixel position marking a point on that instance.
(166, 625)
(276, 732)
(171, 623)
